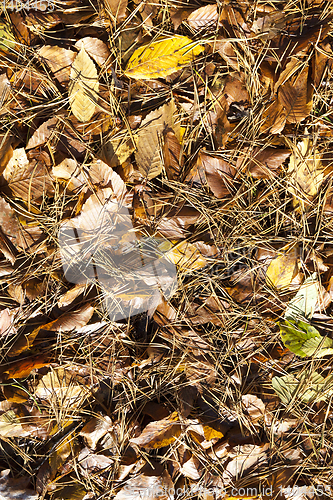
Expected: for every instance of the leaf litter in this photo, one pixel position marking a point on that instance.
(165, 250)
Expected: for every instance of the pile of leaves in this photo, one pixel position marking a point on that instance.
(166, 251)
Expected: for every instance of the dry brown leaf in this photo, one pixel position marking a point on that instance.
(323, 62)
(253, 406)
(95, 48)
(6, 150)
(59, 383)
(227, 51)
(248, 457)
(23, 367)
(149, 148)
(117, 8)
(59, 61)
(15, 488)
(95, 429)
(42, 134)
(262, 163)
(171, 154)
(160, 433)
(67, 298)
(83, 91)
(204, 17)
(274, 118)
(29, 180)
(296, 98)
(214, 172)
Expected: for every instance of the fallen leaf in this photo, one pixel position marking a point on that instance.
(159, 487)
(305, 171)
(282, 269)
(95, 429)
(160, 433)
(171, 154)
(185, 256)
(59, 61)
(162, 58)
(117, 8)
(42, 134)
(150, 133)
(263, 163)
(306, 386)
(95, 48)
(15, 488)
(83, 91)
(304, 340)
(296, 98)
(204, 17)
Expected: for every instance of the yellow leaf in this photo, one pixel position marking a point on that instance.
(162, 58)
(305, 171)
(186, 256)
(84, 88)
(7, 40)
(160, 433)
(211, 433)
(282, 269)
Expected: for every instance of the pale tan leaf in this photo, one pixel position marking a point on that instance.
(42, 134)
(149, 149)
(100, 173)
(84, 88)
(305, 170)
(204, 17)
(59, 383)
(226, 50)
(29, 180)
(253, 406)
(68, 297)
(117, 8)
(95, 48)
(59, 61)
(11, 426)
(159, 487)
(160, 433)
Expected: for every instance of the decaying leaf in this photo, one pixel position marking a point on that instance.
(162, 58)
(84, 88)
(282, 269)
(150, 133)
(159, 434)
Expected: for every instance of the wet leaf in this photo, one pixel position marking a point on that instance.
(84, 87)
(162, 58)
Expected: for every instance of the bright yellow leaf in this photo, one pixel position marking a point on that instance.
(282, 269)
(186, 256)
(162, 58)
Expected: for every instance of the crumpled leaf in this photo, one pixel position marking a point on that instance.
(306, 386)
(148, 155)
(282, 269)
(160, 433)
(162, 58)
(83, 91)
(304, 340)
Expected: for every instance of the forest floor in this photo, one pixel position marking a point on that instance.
(166, 250)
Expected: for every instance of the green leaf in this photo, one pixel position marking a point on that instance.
(305, 300)
(304, 340)
(306, 386)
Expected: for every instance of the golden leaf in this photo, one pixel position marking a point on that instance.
(282, 269)
(160, 433)
(162, 58)
(84, 88)
(186, 256)
(305, 170)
